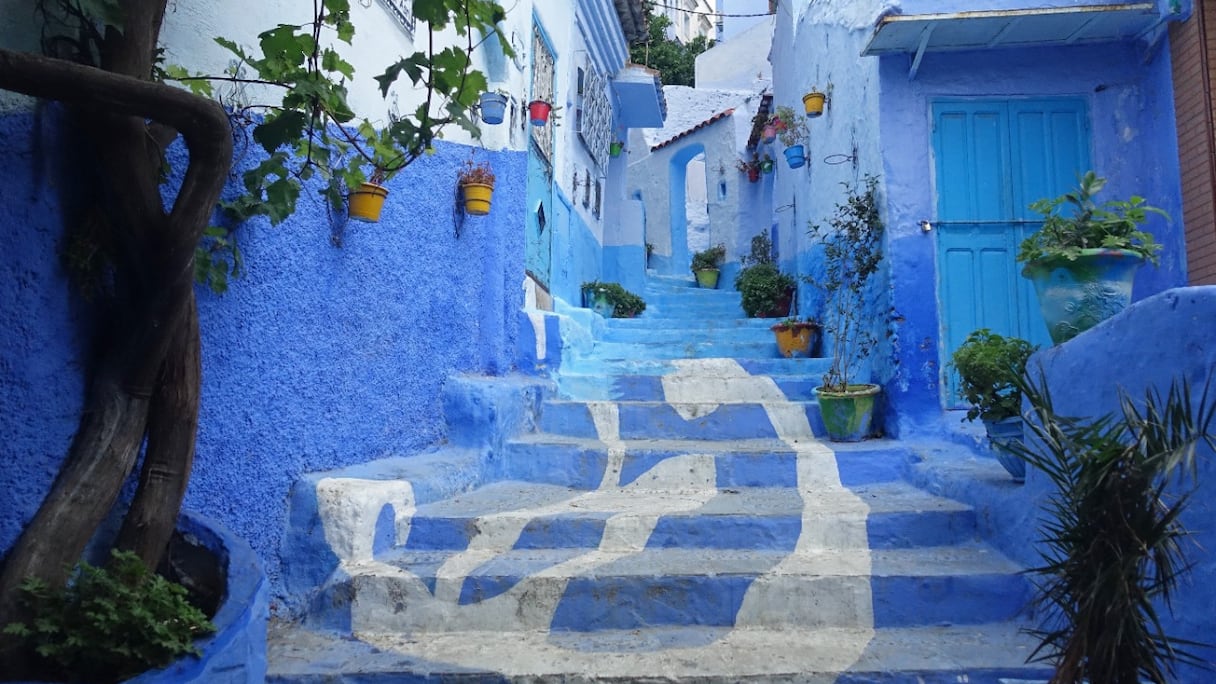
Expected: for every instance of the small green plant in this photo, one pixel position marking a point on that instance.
(791, 126)
(852, 254)
(989, 366)
(625, 303)
(1114, 224)
(795, 323)
(749, 165)
(709, 259)
(761, 283)
(108, 624)
(1113, 543)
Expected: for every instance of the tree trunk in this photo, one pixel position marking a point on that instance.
(172, 425)
(155, 274)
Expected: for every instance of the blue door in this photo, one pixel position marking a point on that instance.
(993, 158)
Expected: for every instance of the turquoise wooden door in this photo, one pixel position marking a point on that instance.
(993, 158)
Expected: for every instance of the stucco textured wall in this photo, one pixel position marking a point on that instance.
(319, 357)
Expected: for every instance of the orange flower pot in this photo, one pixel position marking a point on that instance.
(794, 339)
(477, 198)
(365, 203)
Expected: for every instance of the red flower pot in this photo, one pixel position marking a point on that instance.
(538, 112)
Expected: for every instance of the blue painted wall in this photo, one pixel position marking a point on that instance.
(319, 357)
(1134, 144)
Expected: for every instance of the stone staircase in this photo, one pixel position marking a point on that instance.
(673, 516)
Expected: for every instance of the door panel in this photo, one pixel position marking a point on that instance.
(993, 158)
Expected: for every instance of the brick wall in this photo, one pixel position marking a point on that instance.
(1193, 50)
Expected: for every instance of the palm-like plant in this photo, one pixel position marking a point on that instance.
(1113, 543)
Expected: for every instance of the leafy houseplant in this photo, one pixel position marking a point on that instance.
(989, 367)
(1083, 261)
(108, 624)
(766, 290)
(1113, 550)
(795, 335)
(852, 254)
(476, 181)
(706, 265)
(793, 132)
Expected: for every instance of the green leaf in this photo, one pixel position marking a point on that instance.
(280, 129)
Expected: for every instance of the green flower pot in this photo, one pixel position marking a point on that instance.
(848, 416)
(1075, 295)
(708, 278)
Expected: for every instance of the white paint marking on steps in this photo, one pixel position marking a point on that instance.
(538, 327)
(349, 508)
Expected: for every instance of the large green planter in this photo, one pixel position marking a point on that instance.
(708, 278)
(1075, 295)
(848, 416)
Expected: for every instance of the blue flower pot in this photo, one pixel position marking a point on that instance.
(795, 156)
(493, 107)
(1075, 295)
(1001, 433)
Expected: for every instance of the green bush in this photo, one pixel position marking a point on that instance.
(989, 366)
(709, 259)
(763, 286)
(108, 624)
(625, 303)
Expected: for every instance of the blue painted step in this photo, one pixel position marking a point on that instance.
(630, 387)
(663, 420)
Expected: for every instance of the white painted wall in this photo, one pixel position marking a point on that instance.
(741, 63)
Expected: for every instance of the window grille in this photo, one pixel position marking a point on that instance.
(594, 116)
(402, 11)
(542, 89)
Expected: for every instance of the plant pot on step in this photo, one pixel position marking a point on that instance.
(795, 156)
(1000, 434)
(477, 198)
(366, 203)
(796, 338)
(493, 107)
(848, 416)
(708, 278)
(1075, 295)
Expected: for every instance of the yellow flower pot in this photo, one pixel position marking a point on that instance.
(477, 198)
(813, 102)
(794, 339)
(366, 202)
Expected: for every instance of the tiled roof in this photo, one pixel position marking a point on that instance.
(693, 129)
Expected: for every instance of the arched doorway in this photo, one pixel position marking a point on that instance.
(688, 206)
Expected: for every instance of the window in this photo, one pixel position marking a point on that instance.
(403, 11)
(593, 114)
(542, 89)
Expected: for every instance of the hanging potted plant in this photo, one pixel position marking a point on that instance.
(795, 336)
(768, 133)
(814, 102)
(766, 164)
(493, 107)
(766, 291)
(476, 183)
(706, 265)
(367, 201)
(750, 167)
(538, 112)
(1083, 264)
(792, 131)
(852, 254)
(989, 366)
(615, 147)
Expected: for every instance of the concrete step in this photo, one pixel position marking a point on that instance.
(679, 335)
(978, 654)
(633, 387)
(709, 369)
(589, 590)
(692, 348)
(705, 420)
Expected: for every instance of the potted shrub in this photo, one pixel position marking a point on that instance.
(792, 131)
(476, 181)
(766, 164)
(767, 292)
(795, 336)
(706, 265)
(852, 254)
(538, 112)
(1083, 261)
(813, 102)
(989, 366)
(751, 167)
(611, 300)
(1112, 541)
